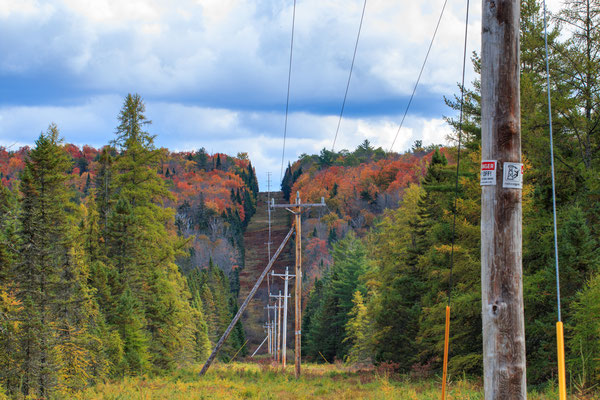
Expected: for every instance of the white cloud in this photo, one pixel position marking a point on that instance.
(221, 48)
(214, 72)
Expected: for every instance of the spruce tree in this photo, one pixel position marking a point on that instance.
(144, 245)
(51, 278)
(9, 306)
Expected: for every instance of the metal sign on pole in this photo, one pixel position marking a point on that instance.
(501, 217)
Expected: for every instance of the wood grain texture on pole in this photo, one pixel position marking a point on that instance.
(501, 219)
(245, 304)
(298, 293)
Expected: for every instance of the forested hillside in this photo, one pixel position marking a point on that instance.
(119, 261)
(382, 291)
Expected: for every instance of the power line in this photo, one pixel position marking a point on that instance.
(350, 75)
(287, 103)
(420, 73)
(460, 125)
(552, 166)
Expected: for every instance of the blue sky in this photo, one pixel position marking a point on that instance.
(213, 73)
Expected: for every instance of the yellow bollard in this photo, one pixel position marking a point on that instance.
(446, 342)
(560, 341)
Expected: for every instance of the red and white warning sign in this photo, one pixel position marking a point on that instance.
(488, 172)
(513, 175)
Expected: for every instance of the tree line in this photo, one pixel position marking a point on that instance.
(90, 286)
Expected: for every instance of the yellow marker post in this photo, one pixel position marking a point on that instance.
(560, 341)
(446, 342)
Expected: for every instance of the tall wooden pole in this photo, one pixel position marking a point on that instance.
(501, 235)
(296, 209)
(298, 292)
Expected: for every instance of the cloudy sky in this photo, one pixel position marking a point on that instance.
(213, 73)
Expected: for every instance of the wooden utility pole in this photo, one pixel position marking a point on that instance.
(286, 278)
(501, 235)
(296, 209)
(244, 304)
(298, 289)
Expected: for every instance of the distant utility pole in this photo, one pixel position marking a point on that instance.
(278, 317)
(267, 327)
(244, 305)
(296, 209)
(501, 219)
(286, 277)
(272, 327)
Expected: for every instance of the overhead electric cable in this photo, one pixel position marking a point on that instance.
(460, 125)
(562, 388)
(287, 103)
(420, 73)
(350, 75)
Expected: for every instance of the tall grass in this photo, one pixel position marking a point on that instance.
(263, 381)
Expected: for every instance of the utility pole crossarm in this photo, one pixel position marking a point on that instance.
(284, 275)
(301, 205)
(295, 205)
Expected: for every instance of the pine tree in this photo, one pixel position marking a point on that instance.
(144, 245)
(51, 278)
(129, 321)
(328, 323)
(584, 343)
(9, 306)
(105, 185)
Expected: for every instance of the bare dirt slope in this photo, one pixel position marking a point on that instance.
(256, 260)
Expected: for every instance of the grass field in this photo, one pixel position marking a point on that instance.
(262, 381)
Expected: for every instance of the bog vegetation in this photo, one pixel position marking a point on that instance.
(122, 263)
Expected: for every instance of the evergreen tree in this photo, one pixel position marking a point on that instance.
(51, 279)
(328, 324)
(143, 246)
(105, 185)
(396, 283)
(286, 183)
(358, 332)
(201, 159)
(9, 306)
(584, 343)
